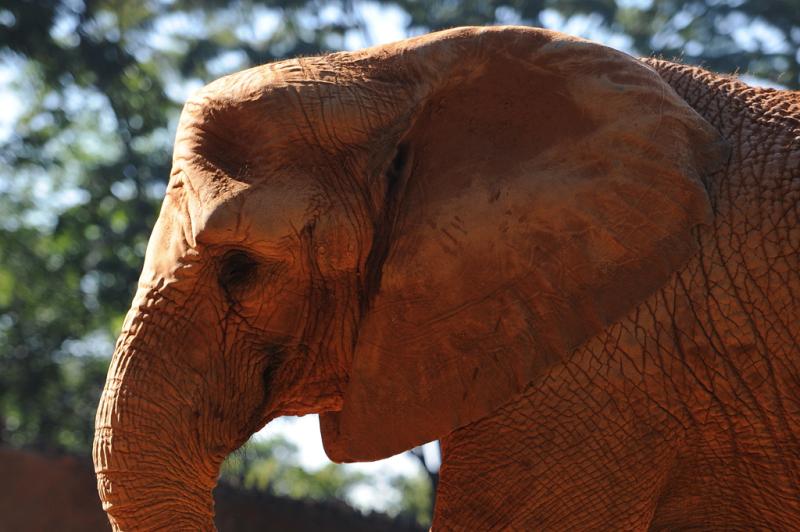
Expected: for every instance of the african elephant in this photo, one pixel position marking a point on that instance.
(577, 269)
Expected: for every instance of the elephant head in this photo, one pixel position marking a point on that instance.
(400, 238)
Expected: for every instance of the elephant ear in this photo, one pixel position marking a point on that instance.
(544, 187)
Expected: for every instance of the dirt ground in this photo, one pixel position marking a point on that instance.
(57, 493)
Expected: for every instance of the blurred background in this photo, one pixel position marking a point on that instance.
(90, 92)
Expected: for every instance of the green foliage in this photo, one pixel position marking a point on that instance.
(757, 37)
(752, 36)
(271, 465)
(415, 497)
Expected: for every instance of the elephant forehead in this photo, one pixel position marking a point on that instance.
(251, 84)
(273, 108)
(258, 214)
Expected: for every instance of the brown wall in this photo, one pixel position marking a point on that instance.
(43, 493)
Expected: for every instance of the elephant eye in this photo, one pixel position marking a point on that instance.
(237, 269)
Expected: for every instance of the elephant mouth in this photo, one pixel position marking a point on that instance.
(276, 355)
(284, 361)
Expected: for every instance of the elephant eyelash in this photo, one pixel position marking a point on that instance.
(238, 270)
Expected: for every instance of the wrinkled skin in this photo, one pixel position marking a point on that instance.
(685, 413)
(578, 271)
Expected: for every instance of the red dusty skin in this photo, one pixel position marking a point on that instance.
(576, 268)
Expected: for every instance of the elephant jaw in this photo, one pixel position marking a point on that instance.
(332, 440)
(345, 446)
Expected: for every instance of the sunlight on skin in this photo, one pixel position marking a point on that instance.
(385, 24)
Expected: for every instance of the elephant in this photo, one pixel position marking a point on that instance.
(576, 269)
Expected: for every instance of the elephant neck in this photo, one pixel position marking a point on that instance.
(743, 290)
(683, 414)
(761, 127)
(637, 429)
(577, 451)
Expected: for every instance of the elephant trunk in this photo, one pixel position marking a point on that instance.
(152, 471)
